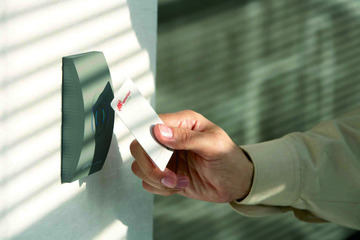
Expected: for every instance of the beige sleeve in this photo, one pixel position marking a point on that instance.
(315, 174)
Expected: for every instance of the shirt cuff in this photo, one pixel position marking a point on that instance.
(257, 210)
(276, 173)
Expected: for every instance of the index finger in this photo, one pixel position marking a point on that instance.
(186, 119)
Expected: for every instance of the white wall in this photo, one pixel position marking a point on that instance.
(34, 36)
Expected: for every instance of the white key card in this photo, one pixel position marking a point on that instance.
(140, 118)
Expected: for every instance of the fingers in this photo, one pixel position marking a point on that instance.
(154, 190)
(188, 130)
(143, 160)
(151, 181)
(146, 170)
(157, 188)
(202, 143)
(186, 119)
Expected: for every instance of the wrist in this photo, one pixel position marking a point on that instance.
(248, 174)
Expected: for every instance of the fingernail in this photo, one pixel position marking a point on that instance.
(168, 182)
(165, 131)
(183, 182)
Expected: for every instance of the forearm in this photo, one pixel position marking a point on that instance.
(317, 171)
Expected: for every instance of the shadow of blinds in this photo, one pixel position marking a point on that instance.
(260, 70)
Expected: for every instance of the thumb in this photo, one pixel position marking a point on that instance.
(183, 139)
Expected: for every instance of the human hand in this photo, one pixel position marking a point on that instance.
(206, 165)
